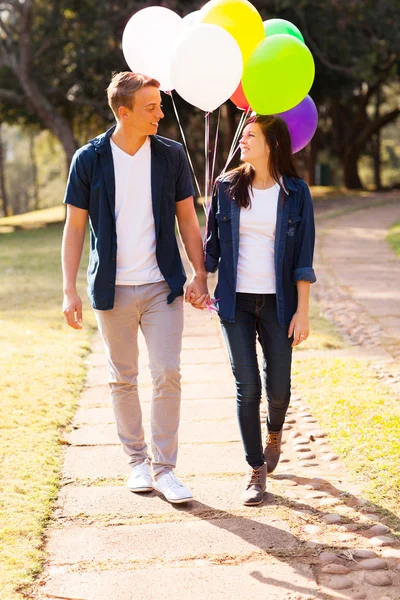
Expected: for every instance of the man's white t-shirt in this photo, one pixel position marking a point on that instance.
(136, 238)
(256, 265)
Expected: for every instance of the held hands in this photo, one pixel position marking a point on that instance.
(72, 310)
(197, 292)
(299, 328)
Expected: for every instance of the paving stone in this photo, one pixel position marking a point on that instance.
(378, 579)
(335, 466)
(340, 582)
(363, 553)
(321, 442)
(328, 557)
(220, 494)
(301, 449)
(200, 431)
(93, 462)
(302, 441)
(358, 596)
(294, 434)
(289, 482)
(350, 527)
(370, 517)
(373, 564)
(207, 581)
(170, 541)
(312, 529)
(382, 540)
(318, 433)
(391, 553)
(335, 569)
(332, 519)
(286, 427)
(307, 456)
(379, 529)
(329, 457)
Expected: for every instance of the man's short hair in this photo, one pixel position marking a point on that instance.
(123, 86)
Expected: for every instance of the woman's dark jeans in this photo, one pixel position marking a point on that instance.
(256, 315)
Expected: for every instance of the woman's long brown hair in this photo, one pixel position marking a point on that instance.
(280, 160)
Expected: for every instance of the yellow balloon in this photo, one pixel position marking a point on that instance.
(240, 18)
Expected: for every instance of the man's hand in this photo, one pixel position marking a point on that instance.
(300, 328)
(72, 310)
(197, 292)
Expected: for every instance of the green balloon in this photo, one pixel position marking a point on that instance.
(274, 26)
(278, 75)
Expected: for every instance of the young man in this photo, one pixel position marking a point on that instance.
(132, 183)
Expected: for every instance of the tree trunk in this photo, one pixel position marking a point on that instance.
(51, 119)
(36, 199)
(3, 191)
(350, 170)
(377, 146)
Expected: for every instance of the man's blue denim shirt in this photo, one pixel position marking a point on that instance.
(294, 246)
(91, 186)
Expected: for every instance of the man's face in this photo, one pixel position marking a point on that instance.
(146, 112)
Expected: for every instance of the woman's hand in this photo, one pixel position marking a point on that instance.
(299, 327)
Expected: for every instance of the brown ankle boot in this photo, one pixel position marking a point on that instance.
(255, 486)
(272, 450)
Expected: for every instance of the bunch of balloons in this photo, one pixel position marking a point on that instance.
(224, 51)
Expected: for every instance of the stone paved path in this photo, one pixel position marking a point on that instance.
(313, 538)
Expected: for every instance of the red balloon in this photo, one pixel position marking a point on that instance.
(239, 98)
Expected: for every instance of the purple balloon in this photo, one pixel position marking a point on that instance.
(302, 121)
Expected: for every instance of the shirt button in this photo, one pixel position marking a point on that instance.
(224, 218)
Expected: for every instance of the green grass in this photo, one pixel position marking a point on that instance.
(362, 418)
(41, 374)
(394, 238)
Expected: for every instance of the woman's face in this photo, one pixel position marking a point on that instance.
(253, 145)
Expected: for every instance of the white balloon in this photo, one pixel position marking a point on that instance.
(206, 66)
(149, 40)
(192, 18)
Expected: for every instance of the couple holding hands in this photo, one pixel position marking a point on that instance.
(133, 184)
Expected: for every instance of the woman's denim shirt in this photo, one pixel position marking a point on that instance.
(294, 246)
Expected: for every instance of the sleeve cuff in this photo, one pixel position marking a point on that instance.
(305, 274)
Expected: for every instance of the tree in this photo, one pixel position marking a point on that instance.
(356, 47)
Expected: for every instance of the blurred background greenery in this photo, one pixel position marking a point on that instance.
(57, 59)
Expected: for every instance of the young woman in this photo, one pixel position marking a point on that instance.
(260, 236)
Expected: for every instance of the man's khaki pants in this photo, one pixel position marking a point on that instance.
(145, 306)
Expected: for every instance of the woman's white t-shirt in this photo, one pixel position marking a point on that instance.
(256, 265)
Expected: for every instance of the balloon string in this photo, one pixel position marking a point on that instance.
(184, 142)
(235, 146)
(207, 159)
(235, 137)
(215, 149)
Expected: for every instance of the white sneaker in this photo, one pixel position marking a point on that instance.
(140, 479)
(172, 488)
